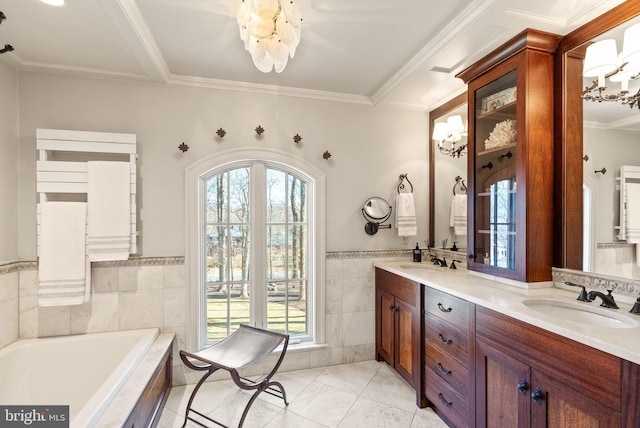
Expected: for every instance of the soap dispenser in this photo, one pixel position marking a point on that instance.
(417, 254)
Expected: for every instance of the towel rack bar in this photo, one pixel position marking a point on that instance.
(70, 177)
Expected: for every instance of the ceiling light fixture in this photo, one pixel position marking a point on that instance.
(450, 133)
(270, 30)
(53, 2)
(602, 61)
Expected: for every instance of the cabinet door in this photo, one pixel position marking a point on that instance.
(406, 345)
(502, 389)
(385, 331)
(494, 173)
(559, 406)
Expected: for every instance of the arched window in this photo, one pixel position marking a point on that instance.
(255, 255)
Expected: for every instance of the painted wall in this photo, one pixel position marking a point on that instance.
(608, 149)
(370, 147)
(8, 163)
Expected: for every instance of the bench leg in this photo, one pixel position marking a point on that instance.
(193, 395)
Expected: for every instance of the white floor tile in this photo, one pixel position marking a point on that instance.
(322, 403)
(367, 413)
(347, 377)
(367, 394)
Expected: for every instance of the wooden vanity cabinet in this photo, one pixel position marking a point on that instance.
(398, 332)
(530, 377)
(510, 166)
(449, 325)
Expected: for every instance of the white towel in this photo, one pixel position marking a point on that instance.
(632, 216)
(458, 218)
(406, 215)
(109, 210)
(63, 275)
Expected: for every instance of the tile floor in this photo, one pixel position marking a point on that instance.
(367, 394)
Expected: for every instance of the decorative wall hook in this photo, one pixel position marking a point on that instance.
(488, 166)
(183, 147)
(326, 155)
(297, 138)
(7, 47)
(507, 155)
(259, 130)
(602, 171)
(221, 133)
(585, 158)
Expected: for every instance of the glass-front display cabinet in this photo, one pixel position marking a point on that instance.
(510, 166)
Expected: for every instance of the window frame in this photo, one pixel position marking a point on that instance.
(195, 179)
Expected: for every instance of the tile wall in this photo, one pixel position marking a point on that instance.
(617, 259)
(151, 292)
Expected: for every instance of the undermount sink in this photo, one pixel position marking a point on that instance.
(581, 313)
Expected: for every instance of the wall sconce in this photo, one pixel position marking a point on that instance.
(602, 61)
(448, 136)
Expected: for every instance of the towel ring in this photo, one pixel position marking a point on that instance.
(463, 187)
(401, 184)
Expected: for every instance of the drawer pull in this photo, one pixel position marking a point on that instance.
(444, 401)
(443, 370)
(443, 340)
(442, 308)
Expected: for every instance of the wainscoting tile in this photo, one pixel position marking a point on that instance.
(358, 328)
(325, 357)
(9, 320)
(358, 295)
(140, 309)
(140, 278)
(54, 321)
(104, 280)
(174, 307)
(28, 283)
(333, 299)
(97, 315)
(174, 276)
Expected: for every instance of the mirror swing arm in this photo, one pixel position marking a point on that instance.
(373, 224)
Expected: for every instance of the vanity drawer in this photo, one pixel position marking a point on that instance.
(449, 405)
(449, 339)
(447, 368)
(447, 307)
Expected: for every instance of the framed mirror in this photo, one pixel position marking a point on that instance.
(598, 138)
(447, 161)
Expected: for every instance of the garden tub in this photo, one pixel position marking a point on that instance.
(84, 372)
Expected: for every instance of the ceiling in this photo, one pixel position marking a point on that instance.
(400, 52)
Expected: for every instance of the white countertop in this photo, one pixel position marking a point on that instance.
(508, 300)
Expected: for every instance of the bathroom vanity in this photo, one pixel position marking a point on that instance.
(491, 356)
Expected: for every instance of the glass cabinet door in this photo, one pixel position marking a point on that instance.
(495, 150)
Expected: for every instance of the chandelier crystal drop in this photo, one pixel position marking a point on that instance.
(603, 62)
(270, 30)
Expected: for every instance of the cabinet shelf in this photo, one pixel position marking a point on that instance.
(496, 149)
(490, 232)
(506, 111)
(484, 194)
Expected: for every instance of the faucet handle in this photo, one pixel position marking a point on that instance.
(583, 297)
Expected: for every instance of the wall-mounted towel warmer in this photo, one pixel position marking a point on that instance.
(628, 173)
(61, 169)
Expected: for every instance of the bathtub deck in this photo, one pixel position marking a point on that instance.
(120, 408)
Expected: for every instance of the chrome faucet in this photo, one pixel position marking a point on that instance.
(607, 299)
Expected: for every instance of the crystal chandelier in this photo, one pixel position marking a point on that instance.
(270, 30)
(448, 135)
(602, 61)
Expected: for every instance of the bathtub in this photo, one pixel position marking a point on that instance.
(84, 371)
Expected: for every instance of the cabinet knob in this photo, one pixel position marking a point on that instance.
(392, 308)
(443, 340)
(523, 386)
(442, 308)
(537, 396)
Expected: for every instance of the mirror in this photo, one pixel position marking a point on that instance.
(443, 171)
(607, 135)
(376, 211)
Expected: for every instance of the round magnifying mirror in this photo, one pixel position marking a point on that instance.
(376, 208)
